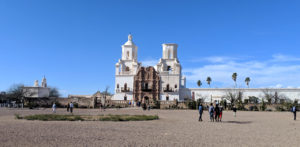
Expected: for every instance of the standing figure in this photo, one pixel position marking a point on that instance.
(217, 113)
(221, 112)
(200, 112)
(234, 111)
(294, 110)
(54, 108)
(68, 107)
(211, 112)
(100, 106)
(71, 107)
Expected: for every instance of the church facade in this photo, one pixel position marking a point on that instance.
(166, 82)
(37, 91)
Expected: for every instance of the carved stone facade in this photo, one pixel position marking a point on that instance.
(146, 86)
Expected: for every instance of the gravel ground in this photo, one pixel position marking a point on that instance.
(174, 128)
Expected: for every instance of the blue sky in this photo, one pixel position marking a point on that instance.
(77, 43)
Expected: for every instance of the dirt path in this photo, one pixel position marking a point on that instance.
(175, 128)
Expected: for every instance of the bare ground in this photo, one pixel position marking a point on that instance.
(174, 128)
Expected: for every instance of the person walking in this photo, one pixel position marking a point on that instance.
(71, 107)
(68, 107)
(234, 111)
(294, 110)
(217, 112)
(211, 112)
(221, 113)
(100, 106)
(54, 108)
(200, 112)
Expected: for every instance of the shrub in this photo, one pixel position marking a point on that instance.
(17, 116)
(263, 106)
(128, 117)
(253, 108)
(280, 108)
(55, 117)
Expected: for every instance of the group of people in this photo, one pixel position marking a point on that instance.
(70, 107)
(215, 113)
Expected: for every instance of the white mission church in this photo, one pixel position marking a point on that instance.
(136, 83)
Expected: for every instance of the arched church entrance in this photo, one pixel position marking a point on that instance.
(146, 100)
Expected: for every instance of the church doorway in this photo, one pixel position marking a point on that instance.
(146, 100)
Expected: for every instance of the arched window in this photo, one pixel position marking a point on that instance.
(127, 68)
(146, 85)
(117, 85)
(175, 86)
(125, 86)
(127, 55)
(167, 98)
(168, 86)
(125, 98)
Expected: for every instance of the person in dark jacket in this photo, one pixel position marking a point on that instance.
(68, 107)
(200, 112)
(211, 112)
(217, 112)
(294, 110)
(234, 111)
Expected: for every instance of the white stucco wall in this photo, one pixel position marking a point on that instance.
(218, 93)
(36, 92)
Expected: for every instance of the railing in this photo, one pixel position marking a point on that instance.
(168, 90)
(165, 73)
(146, 90)
(125, 89)
(125, 73)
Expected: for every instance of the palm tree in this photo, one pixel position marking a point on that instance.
(199, 83)
(234, 76)
(208, 80)
(247, 80)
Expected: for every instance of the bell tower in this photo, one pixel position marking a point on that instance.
(126, 69)
(129, 50)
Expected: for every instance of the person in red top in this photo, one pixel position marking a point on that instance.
(221, 112)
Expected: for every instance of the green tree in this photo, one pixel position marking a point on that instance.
(199, 83)
(247, 81)
(234, 77)
(54, 92)
(208, 80)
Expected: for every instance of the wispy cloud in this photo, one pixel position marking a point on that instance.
(149, 62)
(284, 58)
(214, 59)
(262, 73)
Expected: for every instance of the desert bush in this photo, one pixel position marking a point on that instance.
(53, 117)
(253, 108)
(75, 105)
(269, 110)
(17, 116)
(128, 117)
(263, 106)
(191, 104)
(280, 108)
(56, 117)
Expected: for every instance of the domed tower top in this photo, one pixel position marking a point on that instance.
(44, 82)
(129, 50)
(130, 37)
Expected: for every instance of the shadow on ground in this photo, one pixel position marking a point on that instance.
(238, 122)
